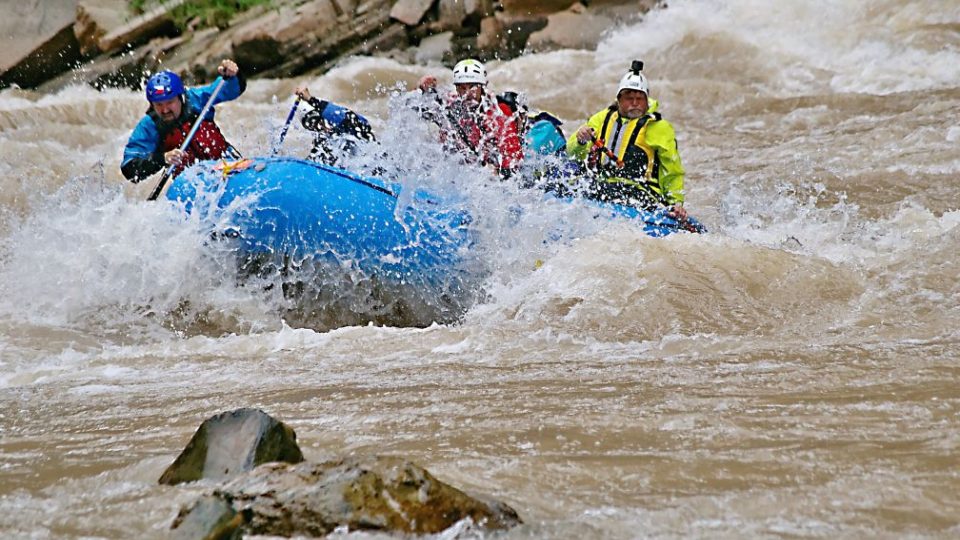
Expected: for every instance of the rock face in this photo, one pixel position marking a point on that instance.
(111, 37)
(94, 19)
(575, 28)
(533, 7)
(232, 443)
(27, 24)
(211, 517)
(313, 499)
(290, 40)
(45, 40)
(37, 41)
(410, 12)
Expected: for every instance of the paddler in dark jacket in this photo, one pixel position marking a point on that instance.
(156, 140)
(338, 130)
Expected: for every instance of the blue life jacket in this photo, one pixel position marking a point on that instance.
(544, 135)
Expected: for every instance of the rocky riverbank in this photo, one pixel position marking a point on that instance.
(104, 44)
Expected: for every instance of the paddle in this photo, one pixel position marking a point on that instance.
(451, 121)
(286, 125)
(598, 144)
(661, 218)
(196, 124)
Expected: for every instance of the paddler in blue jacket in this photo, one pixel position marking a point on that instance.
(339, 130)
(156, 140)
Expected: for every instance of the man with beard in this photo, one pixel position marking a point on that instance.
(156, 140)
(475, 124)
(630, 151)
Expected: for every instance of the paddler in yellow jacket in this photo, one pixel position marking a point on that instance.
(632, 151)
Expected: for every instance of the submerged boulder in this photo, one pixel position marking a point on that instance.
(232, 443)
(313, 499)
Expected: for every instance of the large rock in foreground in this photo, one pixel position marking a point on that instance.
(313, 499)
(232, 443)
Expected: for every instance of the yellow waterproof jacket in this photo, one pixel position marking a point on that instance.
(647, 146)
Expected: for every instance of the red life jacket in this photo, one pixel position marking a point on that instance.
(207, 143)
(491, 134)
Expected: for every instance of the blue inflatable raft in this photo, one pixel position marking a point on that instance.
(305, 210)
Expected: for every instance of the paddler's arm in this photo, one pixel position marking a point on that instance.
(578, 146)
(137, 169)
(141, 157)
(234, 84)
(427, 101)
(660, 135)
(312, 120)
(327, 116)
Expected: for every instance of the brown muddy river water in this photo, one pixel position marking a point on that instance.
(793, 373)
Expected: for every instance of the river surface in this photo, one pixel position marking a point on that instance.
(794, 373)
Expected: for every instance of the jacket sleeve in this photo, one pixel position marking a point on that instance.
(660, 135)
(578, 151)
(428, 105)
(141, 155)
(232, 88)
(313, 120)
(509, 144)
(340, 120)
(356, 125)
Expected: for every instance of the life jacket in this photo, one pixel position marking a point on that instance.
(491, 133)
(637, 178)
(207, 143)
(544, 135)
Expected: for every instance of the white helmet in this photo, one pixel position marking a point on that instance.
(469, 71)
(634, 80)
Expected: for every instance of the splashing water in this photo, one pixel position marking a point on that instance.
(791, 373)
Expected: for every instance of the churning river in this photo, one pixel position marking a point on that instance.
(793, 373)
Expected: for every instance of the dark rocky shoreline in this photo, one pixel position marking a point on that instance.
(101, 43)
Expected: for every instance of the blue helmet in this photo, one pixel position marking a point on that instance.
(163, 86)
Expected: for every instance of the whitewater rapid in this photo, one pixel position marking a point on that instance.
(792, 373)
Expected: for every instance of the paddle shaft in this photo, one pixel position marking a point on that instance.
(598, 144)
(286, 125)
(193, 131)
(452, 122)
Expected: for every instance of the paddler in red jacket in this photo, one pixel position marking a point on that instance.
(473, 122)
